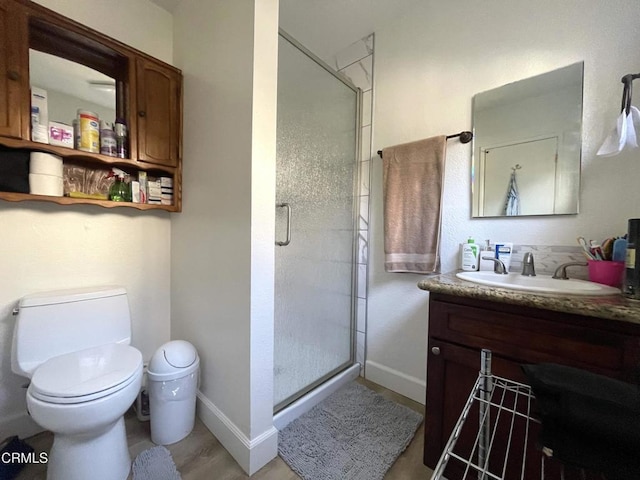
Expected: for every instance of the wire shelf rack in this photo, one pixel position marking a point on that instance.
(504, 409)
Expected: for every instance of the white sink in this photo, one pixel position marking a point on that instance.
(538, 284)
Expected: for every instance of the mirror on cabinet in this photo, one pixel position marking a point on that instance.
(71, 86)
(527, 146)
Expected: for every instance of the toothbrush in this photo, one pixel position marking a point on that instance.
(585, 248)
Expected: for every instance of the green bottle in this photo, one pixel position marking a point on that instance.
(119, 191)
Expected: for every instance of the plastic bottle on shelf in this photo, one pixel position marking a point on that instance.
(108, 144)
(119, 191)
(121, 139)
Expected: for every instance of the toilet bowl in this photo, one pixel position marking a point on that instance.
(84, 377)
(81, 397)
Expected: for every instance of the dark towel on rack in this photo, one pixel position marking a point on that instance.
(412, 183)
(588, 420)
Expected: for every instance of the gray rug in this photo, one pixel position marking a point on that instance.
(354, 434)
(155, 464)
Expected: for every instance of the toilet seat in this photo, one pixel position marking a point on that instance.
(86, 375)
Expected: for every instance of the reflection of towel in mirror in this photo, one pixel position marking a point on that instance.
(413, 179)
(512, 204)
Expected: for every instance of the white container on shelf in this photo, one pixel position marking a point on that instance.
(89, 131)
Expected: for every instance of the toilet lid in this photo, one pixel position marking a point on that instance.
(86, 375)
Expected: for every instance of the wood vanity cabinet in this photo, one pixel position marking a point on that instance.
(460, 327)
(148, 97)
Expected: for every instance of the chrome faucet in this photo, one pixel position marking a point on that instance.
(499, 266)
(528, 268)
(561, 271)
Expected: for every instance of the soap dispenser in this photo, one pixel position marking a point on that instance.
(119, 191)
(470, 255)
(487, 265)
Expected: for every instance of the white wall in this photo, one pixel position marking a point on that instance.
(47, 246)
(429, 64)
(223, 241)
(138, 23)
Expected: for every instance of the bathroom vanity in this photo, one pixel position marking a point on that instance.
(598, 334)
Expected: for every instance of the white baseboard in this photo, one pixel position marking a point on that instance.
(252, 454)
(19, 424)
(399, 382)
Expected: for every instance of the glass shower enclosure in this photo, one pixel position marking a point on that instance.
(316, 179)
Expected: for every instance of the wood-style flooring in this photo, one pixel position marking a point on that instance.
(201, 457)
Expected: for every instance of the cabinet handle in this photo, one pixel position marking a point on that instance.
(435, 350)
(142, 113)
(13, 75)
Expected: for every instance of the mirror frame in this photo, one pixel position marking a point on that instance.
(80, 48)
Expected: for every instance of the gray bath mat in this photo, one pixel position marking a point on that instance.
(155, 464)
(355, 434)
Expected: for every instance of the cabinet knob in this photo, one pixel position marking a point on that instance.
(142, 113)
(435, 350)
(13, 75)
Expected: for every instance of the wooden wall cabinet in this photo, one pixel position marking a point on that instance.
(460, 327)
(148, 97)
(13, 69)
(158, 111)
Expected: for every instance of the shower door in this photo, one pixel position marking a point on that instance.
(317, 139)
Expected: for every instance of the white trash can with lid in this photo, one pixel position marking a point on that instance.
(173, 380)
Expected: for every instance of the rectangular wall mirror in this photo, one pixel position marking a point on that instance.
(527, 146)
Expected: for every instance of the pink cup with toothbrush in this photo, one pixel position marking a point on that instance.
(606, 272)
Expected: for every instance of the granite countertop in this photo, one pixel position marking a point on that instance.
(613, 307)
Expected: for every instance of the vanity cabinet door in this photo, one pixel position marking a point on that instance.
(460, 328)
(452, 373)
(13, 70)
(159, 104)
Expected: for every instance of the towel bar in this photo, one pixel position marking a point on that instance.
(465, 137)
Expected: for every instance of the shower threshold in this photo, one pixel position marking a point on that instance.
(315, 396)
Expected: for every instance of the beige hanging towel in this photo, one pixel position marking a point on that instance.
(412, 188)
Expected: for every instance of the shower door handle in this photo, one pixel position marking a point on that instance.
(288, 240)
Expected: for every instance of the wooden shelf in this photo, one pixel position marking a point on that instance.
(71, 154)
(148, 97)
(22, 197)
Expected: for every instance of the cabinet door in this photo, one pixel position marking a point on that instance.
(451, 375)
(13, 70)
(159, 113)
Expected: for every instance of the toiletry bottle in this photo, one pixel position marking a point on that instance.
(470, 255)
(503, 252)
(119, 191)
(108, 143)
(121, 138)
(631, 287)
(487, 265)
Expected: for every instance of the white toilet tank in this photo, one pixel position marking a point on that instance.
(49, 324)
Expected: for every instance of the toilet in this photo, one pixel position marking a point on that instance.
(74, 345)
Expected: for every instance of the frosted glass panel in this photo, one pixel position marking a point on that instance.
(316, 159)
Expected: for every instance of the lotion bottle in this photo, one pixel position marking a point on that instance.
(470, 255)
